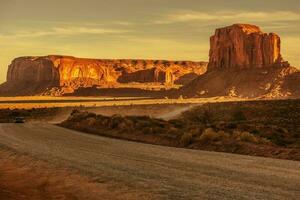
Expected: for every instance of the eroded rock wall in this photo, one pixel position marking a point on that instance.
(242, 46)
(245, 62)
(71, 73)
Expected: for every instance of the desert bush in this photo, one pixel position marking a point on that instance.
(115, 120)
(196, 131)
(79, 116)
(158, 130)
(262, 140)
(147, 130)
(177, 123)
(231, 125)
(91, 121)
(208, 135)
(211, 135)
(244, 136)
(180, 97)
(173, 132)
(142, 124)
(277, 139)
(222, 135)
(186, 139)
(75, 111)
(129, 123)
(238, 115)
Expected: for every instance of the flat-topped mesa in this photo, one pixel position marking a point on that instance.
(71, 73)
(243, 46)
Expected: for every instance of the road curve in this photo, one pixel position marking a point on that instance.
(164, 172)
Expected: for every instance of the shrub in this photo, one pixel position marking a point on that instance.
(222, 135)
(238, 115)
(75, 111)
(173, 132)
(196, 131)
(231, 125)
(208, 135)
(180, 97)
(264, 141)
(177, 123)
(244, 136)
(186, 139)
(91, 121)
(147, 130)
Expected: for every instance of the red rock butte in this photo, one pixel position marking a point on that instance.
(244, 46)
(35, 75)
(243, 62)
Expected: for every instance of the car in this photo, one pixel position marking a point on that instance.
(19, 120)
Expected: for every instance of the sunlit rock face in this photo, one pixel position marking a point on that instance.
(70, 73)
(245, 62)
(32, 70)
(243, 46)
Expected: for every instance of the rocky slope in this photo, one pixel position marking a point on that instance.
(57, 75)
(245, 62)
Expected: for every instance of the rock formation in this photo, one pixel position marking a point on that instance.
(242, 46)
(36, 75)
(245, 62)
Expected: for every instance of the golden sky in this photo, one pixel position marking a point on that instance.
(146, 29)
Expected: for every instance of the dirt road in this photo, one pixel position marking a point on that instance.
(163, 172)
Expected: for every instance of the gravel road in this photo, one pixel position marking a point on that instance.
(163, 172)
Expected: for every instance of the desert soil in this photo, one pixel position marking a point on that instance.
(59, 102)
(49, 162)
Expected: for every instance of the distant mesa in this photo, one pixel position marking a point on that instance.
(245, 62)
(60, 75)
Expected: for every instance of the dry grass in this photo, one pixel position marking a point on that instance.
(24, 178)
(226, 127)
(50, 102)
(211, 135)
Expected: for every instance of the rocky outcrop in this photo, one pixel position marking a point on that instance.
(245, 62)
(69, 73)
(271, 82)
(243, 46)
(32, 70)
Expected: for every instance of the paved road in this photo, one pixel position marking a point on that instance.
(167, 173)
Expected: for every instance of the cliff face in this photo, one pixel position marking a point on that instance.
(243, 46)
(70, 73)
(32, 70)
(245, 62)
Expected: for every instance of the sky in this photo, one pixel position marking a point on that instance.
(144, 29)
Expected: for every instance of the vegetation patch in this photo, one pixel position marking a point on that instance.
(263, 128)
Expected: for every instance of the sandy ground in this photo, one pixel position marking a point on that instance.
(49, 102)
(25, 178)
(86, 165)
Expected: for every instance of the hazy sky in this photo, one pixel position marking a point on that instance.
(153, 29)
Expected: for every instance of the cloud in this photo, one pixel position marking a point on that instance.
(61, 31)
(124, 23)
(188, 16)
